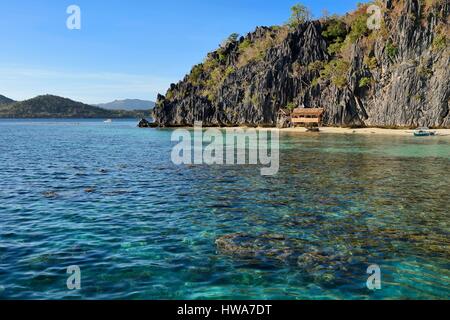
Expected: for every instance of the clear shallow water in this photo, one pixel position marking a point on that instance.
(146, 229)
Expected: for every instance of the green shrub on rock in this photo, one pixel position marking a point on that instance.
(439, 42)
(336, 71)
(359, 28)
(299, 14)
(316, 66)
(391, 50)
(371, 62)
(195, 74)
(336, 29)
(245, 45)
(290, 106)
(364, 82)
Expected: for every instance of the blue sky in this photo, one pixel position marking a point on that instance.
(125, 49)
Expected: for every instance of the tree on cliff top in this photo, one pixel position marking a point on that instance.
(299, 14)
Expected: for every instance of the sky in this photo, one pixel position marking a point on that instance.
(125, 49)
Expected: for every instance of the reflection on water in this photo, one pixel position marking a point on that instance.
(107, 198)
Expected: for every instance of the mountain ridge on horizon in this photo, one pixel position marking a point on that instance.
(51, 106)
(127, 104)
(5, 100)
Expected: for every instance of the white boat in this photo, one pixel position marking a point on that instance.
(108, 121)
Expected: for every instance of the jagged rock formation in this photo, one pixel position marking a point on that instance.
(144, 123)
(394, 76)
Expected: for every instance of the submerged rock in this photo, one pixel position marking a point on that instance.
(50, 194)
(313, 261)
(422, 242)
(247, 246)
(322, 264)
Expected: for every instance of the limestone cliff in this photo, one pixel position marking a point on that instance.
(397, 75)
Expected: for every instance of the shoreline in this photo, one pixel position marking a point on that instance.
(297, 130)
(368, 131)
(333, 130)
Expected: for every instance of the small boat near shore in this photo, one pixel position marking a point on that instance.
(108, 121)
(424, 132)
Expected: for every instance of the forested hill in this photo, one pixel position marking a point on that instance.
(5, 100)
(49, 106)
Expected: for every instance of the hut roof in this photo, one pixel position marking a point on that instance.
(308, 112)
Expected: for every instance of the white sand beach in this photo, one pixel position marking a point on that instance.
(366, 131)
(377, 131)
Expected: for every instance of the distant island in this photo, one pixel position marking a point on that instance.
(128, 104)
(50, 106)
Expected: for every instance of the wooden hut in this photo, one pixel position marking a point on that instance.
(309, 117)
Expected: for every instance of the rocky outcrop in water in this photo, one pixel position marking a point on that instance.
(144, 123)
(394, 76)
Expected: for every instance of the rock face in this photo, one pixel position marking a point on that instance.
(143, 123)
(394, 76)
(283, 119)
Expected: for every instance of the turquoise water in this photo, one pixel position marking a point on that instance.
(108, 199)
